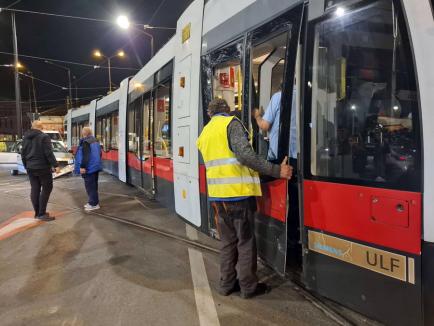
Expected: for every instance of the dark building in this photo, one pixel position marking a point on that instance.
(8, 118)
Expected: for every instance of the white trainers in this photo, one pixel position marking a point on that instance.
(92, 208)
(87, 205)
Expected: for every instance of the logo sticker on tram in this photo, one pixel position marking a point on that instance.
(186, 33)
(377, 260)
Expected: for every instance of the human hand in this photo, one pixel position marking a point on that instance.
(82, 171)
(57, 170)
(285, 169)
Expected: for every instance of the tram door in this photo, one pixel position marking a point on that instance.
(247, 73)
(134, 143)
(362, 163)
(273, 52)
(146, 141)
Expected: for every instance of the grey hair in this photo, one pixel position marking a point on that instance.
(218, 105)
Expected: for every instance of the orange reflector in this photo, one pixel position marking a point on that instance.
(181, 151)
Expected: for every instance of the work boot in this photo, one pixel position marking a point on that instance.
(46, 217)
(235, 288)
(261, 288)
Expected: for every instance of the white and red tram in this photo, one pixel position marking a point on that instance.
(362, 205)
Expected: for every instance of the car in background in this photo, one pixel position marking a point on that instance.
(63, 157)
(55, 135)
(7, 155)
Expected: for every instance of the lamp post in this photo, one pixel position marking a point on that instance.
(124, 23)
(69, 102)
(98, 54)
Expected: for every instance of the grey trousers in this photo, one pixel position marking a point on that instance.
(235, 222)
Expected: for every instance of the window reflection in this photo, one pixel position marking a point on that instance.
(364, 103)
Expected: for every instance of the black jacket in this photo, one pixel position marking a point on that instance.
(37, 152)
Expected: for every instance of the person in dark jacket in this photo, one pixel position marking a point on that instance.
(88, 164)
(39, 160)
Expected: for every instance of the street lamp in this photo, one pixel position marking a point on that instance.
(69, 79)
(99, 54)
(124, 23)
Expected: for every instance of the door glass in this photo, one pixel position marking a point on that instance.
(146, 129)
(364, 99)
(227, 84)
(115, 130)
(268, 66)
(134, 125)
(107, 132)
(98, 132)
(162, 132)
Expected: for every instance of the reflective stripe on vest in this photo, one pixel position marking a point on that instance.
(226, 176)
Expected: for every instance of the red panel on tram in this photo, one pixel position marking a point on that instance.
(388, 218)
(273, 200)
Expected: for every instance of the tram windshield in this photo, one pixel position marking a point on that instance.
(364, 100)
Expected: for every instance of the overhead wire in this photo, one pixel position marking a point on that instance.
(79, 17)
(13, 4)
(43, 81)
(69, 62)
(156, 11)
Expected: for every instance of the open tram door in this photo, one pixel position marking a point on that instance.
(246, 73)
(362, 171)
(271, 60)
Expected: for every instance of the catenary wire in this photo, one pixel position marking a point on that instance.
(69, 62)
(80, 18)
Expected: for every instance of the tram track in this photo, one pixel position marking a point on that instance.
(329, 311)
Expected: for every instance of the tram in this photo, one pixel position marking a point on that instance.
(358, 220)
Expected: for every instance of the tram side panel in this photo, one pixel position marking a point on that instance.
(362, 188)
(421, 24)
(186, 92)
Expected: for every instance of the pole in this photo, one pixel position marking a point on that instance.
(17, 80)
(152, 46)
(110, 75)
(34, 95)
(70, 89)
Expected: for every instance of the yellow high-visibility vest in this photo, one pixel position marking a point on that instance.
(226, 177)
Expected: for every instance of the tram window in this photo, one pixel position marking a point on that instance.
(268, 66)
(115, 130)
(162, 132)
(364, 102)
(107, 132)
(134, 125)
(146, 130)
(227, 84)
(74, 135)
(99, 129)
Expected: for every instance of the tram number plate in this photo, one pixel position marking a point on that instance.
(380, 261)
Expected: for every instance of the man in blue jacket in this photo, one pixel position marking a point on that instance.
(88, 164)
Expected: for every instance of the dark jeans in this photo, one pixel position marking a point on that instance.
(235, 221)
(91, 185)
(41, 182)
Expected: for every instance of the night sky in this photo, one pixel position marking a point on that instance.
(75, 40)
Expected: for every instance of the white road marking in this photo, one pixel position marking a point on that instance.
(17, 224)
(204, 301)
(191, 232)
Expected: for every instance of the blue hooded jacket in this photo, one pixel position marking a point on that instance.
(95, 163)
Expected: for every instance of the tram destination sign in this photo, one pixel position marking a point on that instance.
(387, 263)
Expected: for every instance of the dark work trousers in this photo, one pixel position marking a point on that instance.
(91, 185)
(238, 245)
(41, 183)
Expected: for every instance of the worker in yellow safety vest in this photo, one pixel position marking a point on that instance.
(232, 173)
